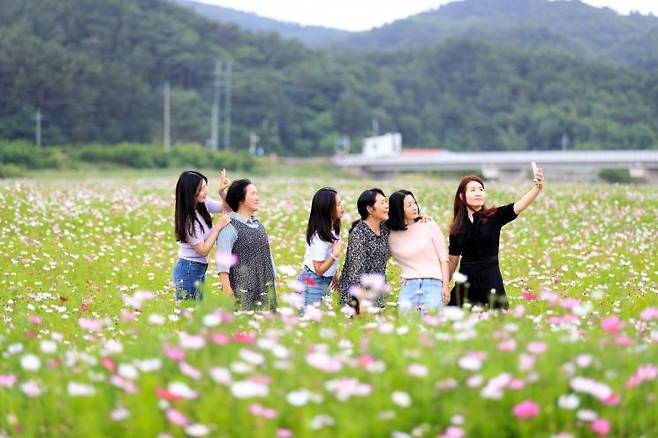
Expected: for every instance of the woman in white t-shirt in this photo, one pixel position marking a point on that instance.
(323, 246)
(195, 232)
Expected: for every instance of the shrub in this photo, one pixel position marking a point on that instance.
(138, 156)
(11, 171)
(28, 156)
(615, 175)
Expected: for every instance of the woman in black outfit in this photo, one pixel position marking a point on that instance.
(367, 248)
(474, 237)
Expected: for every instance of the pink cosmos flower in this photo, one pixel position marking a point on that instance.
(191, 342)
(175, 353)
(175, 417)
(612, 325)
(537, 347)
(507, 345)
(623, 341)
(260, 411)
(601, 427)
(244, 338)
(34, 319)
(189, 371)
(220, 339)
(226, 258)
(526, 409)
(649, 313)
(108, 364)
(92, 325)
(7, 380)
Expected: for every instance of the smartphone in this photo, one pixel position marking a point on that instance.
(534, 168)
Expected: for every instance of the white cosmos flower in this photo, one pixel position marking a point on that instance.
(31, 388)
(248, 389)
(148, 365)
(568, 401)
(119, 414)
(469, 363)
(298, 398)
(48, 347)
(113, 347)
(197, 430)
(30, 362)
(80, 389)
(211, 320)
(156, 319)
(587, 415)
(401, 399)
(251, 357)
(128, 371)
(458, 277)
(221, 375)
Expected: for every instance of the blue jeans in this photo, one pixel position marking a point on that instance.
(421, 294)
(188, 277)
(317, 287)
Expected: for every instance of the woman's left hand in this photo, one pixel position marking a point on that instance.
(424, 218)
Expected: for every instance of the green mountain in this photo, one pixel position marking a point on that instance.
(570, 26)
(96, 69)
(311, 36)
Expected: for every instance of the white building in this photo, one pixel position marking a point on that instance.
(387, 145)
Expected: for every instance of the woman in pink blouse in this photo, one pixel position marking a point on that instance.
(420, 250)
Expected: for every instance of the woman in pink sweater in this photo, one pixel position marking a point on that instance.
(420, 250)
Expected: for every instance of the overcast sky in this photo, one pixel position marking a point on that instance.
(366, 14)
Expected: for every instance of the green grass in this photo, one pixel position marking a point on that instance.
(72, 246)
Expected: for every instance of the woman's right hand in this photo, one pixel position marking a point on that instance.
(224, 182)
(337, 248)
(224, 220)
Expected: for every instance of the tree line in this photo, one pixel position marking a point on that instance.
(95, 70)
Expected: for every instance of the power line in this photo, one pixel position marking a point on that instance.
(167, 120)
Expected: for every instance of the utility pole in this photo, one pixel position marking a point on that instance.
(375, 126)
(227, 105)
(214, 113)
(37, 134)
(166, 134)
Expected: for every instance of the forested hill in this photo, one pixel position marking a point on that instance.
(96, 70)
(570, 26)
(311, 36)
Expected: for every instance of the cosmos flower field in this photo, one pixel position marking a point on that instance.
(94, 344)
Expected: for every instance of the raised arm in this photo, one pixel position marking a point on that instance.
(529, 197)
(203, 248)
(224, 182)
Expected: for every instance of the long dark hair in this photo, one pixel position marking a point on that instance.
(321, 220)
(366, 199)
(187, 189)
(460, 209)
(395, 220)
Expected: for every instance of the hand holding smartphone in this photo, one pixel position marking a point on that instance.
(534, 167)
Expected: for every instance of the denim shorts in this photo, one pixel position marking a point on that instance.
(188, 277)
(316, 286)
(421, 294)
